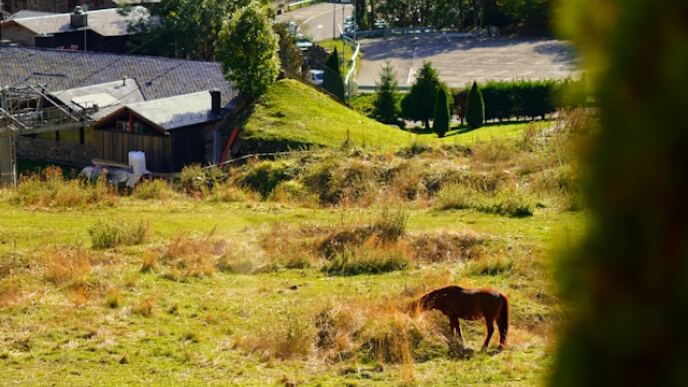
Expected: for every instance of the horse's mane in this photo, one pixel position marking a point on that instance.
(428, 300)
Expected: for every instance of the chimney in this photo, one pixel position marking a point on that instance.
(78, 18)
(216, 101)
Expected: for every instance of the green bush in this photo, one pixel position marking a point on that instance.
(456, 197)
(504, 100)
(475, 108)
(440, 124)
(266, 175)
(192, 179)
(153, 189)
(110, 233)
(366, 261)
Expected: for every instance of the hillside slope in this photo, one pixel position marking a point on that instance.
(294, 115)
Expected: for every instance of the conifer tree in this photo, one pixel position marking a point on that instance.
(475, 108)
(385, 107)
(334, 81)
(440, 124)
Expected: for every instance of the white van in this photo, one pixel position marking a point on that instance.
(317, 77)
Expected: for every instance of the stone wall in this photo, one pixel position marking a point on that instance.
(50, 151)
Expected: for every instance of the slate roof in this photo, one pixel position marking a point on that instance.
(108, 96)
(173, 112)
(157, 77)
(24, 13)
(105, 22)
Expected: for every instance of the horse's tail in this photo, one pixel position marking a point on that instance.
(503, 320)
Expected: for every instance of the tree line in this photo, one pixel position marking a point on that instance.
(525, 16)
(431, 100)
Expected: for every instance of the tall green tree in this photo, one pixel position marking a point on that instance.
(289, 54)
(362, 14)
(182, 28)
(385, 108)
(419, 104)
(334, 81)
(475, 108)
(442, 116)
(248, 51)
(625, 284)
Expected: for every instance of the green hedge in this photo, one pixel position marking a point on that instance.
(530, 99)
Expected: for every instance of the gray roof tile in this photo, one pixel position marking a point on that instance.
(157, 77)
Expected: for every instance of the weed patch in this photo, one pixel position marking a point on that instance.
(106, 234)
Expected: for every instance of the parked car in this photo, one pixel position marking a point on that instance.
(380, 24)
(316, 77)
(303, 44)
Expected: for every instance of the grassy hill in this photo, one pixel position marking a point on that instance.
(293, 115)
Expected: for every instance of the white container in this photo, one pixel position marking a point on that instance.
(137, 161)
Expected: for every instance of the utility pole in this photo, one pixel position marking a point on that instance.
(334, 20)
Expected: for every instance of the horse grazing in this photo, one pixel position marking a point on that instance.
(469, 304)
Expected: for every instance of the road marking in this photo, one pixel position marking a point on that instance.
(318, 15)
(411, 76)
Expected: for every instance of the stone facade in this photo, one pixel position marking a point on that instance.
(50, 151)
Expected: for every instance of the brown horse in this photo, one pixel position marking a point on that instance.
(469, 304)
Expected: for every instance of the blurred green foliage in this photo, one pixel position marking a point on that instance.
(626, 283)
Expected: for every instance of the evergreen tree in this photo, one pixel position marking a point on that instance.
(362, 15)
(419, 104)
(385, 107)
(334, 81)
(289, 54)
(248, 51)
(440, 124)
(475, 108)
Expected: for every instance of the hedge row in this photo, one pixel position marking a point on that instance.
(505, 100)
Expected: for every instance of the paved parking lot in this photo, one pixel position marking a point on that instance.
(461, 60)
(317, 20)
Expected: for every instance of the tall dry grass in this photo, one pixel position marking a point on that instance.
(50, 189)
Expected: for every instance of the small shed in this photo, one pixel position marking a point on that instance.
(171, 131)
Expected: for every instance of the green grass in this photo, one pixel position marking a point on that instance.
(244, 291)
(191, 335)
(292, 115)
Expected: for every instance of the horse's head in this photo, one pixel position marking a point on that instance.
(421, 304)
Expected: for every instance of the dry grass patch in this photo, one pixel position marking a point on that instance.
(50, 189)
(66, 265)
(447, 246)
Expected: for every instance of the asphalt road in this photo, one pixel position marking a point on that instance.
(317, 21)
(460, 61)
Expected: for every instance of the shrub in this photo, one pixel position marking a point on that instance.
(228, 193)
(369, 259)
(266, 175)
(440, 124)
(475, 108)
(153, 189)
(492, 265)
(510, 202)
(391, 226)
(456, 197)
(110, 233)
(50, 189)
(193, 179)
(447, 246)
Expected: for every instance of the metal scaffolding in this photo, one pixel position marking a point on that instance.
(26, 110)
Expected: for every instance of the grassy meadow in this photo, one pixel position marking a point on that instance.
(295, 270)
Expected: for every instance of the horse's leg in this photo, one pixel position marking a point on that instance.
(458, 329)
(489, 322)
